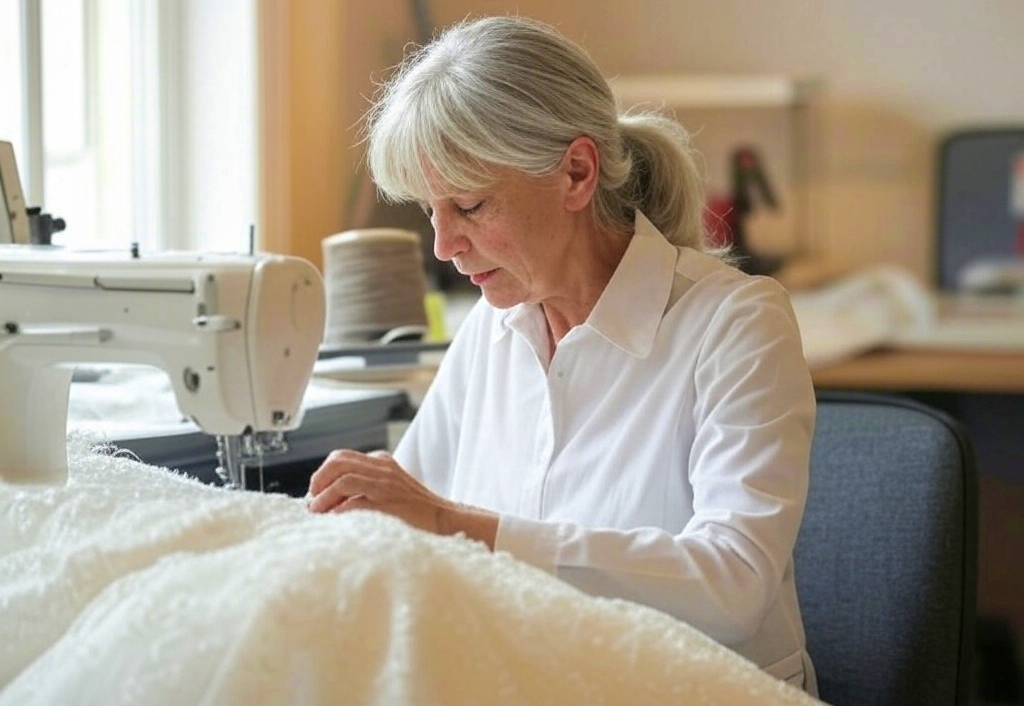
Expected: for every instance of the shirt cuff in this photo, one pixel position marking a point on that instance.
(531, 541)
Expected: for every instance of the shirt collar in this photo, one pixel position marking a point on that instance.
(630, 309)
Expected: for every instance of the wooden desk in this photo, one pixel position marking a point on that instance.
(927, 370)
(999, 369)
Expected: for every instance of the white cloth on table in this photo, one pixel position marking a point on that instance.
(132, 585)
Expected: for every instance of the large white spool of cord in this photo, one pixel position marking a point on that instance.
(375, 286)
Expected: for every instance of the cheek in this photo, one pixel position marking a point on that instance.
(515, 238)
(500, 241)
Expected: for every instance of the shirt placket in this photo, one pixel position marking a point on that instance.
(547, 431)
(531, 500)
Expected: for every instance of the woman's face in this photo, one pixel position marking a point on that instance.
(513, 241)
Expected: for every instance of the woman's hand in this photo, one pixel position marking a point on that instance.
(350, 480)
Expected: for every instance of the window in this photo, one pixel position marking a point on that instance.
(11, 98)
(134, 120)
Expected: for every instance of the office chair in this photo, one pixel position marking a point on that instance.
(886, 559)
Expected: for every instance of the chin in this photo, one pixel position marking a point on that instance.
(501, 300)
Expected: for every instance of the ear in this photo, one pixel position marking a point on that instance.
(581, 166)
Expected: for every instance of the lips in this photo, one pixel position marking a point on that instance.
(481, 278)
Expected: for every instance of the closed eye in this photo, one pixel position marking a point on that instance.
(459, 209)
(469, 211)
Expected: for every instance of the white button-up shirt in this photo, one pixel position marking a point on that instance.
(661, 454)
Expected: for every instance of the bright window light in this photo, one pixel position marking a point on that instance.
(11, 88)
(148, 118)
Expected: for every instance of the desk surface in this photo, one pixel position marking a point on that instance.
(932, 370)
(983, 353)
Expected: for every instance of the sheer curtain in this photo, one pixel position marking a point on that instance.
(134, 120)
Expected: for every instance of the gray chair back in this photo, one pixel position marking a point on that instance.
(886, 559)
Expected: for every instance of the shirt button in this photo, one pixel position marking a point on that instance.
(560, 373)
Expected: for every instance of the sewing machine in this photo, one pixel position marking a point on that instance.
(237, 334)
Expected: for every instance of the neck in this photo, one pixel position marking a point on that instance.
(586, 283)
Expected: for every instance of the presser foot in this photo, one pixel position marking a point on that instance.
(237, 454)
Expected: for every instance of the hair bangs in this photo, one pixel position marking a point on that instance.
(426, 146)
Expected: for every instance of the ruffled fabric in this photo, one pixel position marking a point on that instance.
(134, 585)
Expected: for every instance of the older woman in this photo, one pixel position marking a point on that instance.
(623, 408)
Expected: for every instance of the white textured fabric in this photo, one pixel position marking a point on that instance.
(873, 307)
(661, 455)
(135, 586)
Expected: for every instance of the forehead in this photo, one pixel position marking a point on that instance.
(501, 181)
(451, 182)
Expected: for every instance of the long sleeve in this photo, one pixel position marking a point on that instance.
(747, 467)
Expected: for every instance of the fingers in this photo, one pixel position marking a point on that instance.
(342, 475)
(346, 487)
(348, 480)
(336, 464)
(325, 474)
(359, 502)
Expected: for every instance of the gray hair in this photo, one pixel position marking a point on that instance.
(509, 92)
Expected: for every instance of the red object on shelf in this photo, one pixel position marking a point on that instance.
(719, 220)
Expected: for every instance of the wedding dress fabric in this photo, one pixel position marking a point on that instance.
(134, 585)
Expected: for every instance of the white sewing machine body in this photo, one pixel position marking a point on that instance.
(237, 334)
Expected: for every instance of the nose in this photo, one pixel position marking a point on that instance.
(449, 240)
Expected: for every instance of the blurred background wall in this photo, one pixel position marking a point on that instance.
(895, 78)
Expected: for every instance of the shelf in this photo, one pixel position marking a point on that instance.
(709, 91)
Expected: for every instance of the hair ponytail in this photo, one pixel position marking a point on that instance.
(665, 181)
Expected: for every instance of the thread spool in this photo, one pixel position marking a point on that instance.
(375, 286)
